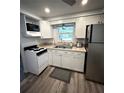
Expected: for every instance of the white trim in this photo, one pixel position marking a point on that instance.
(69, 20)
(30, 15)
(96, 12)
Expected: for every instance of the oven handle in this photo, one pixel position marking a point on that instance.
(41, 52)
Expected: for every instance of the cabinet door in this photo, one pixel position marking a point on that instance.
(57, 60)
(91, 20)
(80, 28)
(50, 57)
(78, 62)
(96, 19)
(45, 29)
(67, 61)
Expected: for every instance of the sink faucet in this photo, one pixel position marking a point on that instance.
(61, 40)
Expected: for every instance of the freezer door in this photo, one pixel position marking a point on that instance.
(97, 33)
(88, 33)
(95, 62)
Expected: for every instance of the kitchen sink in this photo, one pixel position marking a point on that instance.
(63, 46)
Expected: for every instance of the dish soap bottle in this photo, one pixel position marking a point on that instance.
(78, 44)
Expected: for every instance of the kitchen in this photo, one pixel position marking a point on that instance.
(59, 44)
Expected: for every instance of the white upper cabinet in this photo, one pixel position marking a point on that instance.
(96, 19)
(46, 31)
(81, 22)
(80, 27)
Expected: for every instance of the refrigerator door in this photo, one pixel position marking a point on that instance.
(97, 33)
(95, 62)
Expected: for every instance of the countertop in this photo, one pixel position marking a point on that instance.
(75, 49)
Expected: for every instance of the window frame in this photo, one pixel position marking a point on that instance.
(73, 33)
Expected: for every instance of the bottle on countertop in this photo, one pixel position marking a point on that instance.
(71, 44)
(78, 44)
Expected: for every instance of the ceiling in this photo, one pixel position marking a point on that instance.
(58, 7)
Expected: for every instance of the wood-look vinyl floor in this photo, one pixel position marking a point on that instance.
(45, 84)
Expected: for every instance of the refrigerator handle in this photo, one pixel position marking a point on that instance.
(91, 31)
(86, 31)
(86, 36)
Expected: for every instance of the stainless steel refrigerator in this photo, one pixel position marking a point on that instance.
(94, 63)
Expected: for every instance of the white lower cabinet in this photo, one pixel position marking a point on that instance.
(50, 57)
(74, 61)
(67, 59)
(78, 62)
(57, 60)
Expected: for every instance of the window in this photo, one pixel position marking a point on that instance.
(66, 32)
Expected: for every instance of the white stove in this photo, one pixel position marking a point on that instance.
(36, 59)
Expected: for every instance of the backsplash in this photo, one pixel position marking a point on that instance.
(51, 41)
(45, 41)
(80, 40)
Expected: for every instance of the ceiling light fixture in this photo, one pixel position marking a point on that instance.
(47, 10)
(84, 2)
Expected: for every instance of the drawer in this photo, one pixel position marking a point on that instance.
(67, 52)
(50, 51)
(57, 51)
(78, 54)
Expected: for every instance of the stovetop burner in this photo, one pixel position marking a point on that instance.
(37, 49)
(34, 48)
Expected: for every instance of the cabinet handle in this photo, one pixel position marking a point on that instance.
(65, 52)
